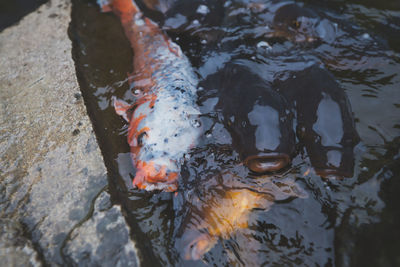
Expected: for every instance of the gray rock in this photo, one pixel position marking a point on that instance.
(15, 249)
(103, 239)
(51, 169)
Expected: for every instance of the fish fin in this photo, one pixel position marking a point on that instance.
(159, 5)
(192, 112)
(286, 188)
(122, 108)
(173, 48)
(131, 77)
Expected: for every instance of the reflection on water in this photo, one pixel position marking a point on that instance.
(343, 55)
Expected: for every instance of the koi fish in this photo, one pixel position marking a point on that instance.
(224, 217)
(223, 211)
(162, 120)
(302, 25)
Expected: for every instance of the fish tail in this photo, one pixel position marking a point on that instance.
(123, 8)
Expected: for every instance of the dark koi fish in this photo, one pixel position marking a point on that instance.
(162, 121)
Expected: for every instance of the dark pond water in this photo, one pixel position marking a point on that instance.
(346, 50)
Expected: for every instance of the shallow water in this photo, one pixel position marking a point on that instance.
(308, 220)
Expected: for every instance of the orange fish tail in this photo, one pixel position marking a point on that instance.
(125, 9)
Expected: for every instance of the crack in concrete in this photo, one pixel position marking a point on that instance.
(77, 225)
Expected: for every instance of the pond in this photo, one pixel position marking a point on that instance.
(347, 51)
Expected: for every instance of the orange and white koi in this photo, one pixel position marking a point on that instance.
(162, 121)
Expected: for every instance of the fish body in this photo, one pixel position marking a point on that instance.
(222, 217)
(226, 206)
(300, 24)
(258, 118)
(162, 121)
(233, 210)
(325, 118)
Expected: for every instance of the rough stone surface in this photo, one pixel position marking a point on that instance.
(51, 169)
(15, 249)
(108, 243)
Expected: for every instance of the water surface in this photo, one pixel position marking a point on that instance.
(350, 222)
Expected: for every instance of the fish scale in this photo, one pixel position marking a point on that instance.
(161, 128)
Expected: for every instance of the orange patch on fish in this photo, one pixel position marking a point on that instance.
(147, 173)
(124, 8)
(133, 129)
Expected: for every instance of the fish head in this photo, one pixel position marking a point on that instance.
(151, 175)
(155, 170)
(302, 25)
(259, 119)
(195, 244)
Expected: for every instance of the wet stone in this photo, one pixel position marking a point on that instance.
(51, 172)
(15, 249)
(103, 239)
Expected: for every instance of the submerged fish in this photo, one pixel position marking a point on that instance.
(302, 25)
(224, 210)
(224, 216)
(162, 120)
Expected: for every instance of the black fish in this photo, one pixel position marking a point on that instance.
(257, 117)
(325, 121)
